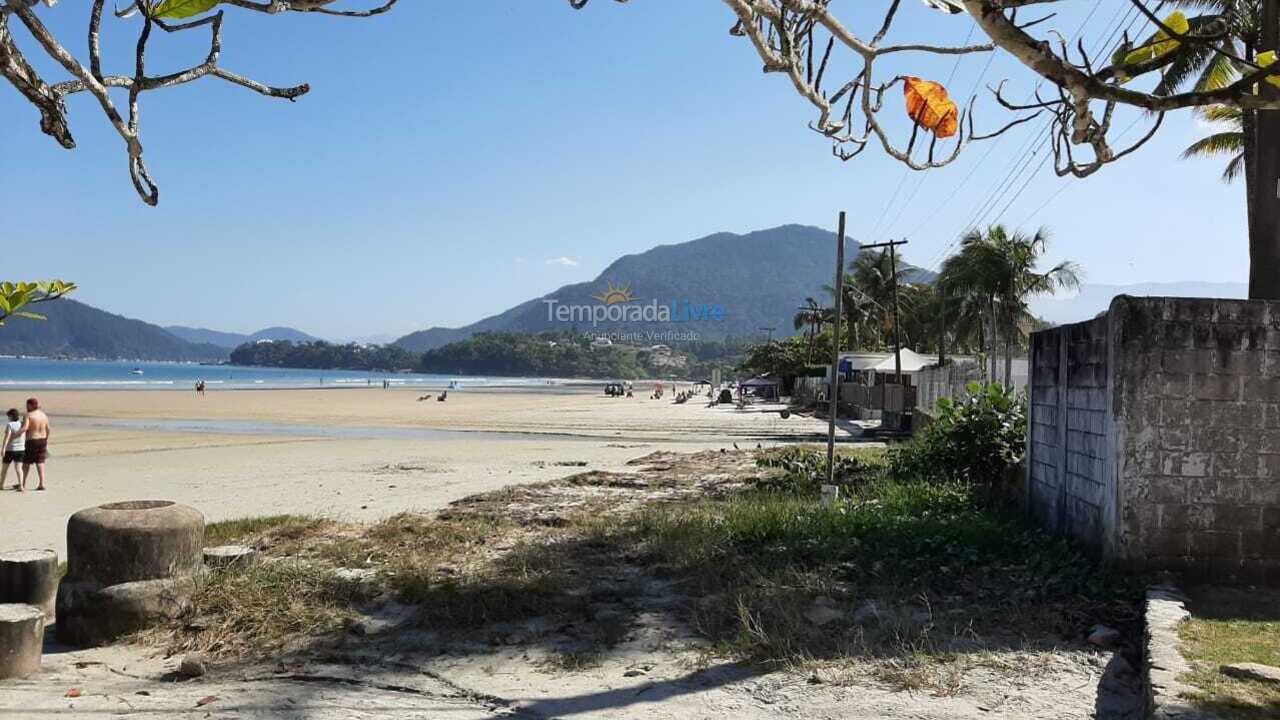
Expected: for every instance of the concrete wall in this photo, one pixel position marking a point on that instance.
(1069, 488)
(1155, 435)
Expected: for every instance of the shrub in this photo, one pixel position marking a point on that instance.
(978, 441)
(804, 470)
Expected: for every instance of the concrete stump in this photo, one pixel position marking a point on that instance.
(228, 555)
(21, 640)
(130, 565)
(30, 577)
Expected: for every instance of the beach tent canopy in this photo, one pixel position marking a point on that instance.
(912, 362)
(762, 381)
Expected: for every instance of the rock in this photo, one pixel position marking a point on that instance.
(192, 666)
(823, 612)
(355, 575)
(867, 613)
(920, 616)
(1104, 637)
(1253, 671)
(227, 555)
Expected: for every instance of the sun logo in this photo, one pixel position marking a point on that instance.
(615, 295)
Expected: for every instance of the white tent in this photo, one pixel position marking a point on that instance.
(912, 362)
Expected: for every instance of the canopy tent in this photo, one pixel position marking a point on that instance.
(912, 362)
(760, 382)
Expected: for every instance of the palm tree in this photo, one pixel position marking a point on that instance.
(814, 316)
(1229, 141)
(854, 311)
(1215, 70)
(993, 276)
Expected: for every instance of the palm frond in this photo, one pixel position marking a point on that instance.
(1223, 143)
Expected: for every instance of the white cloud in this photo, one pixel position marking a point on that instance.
(563, 260)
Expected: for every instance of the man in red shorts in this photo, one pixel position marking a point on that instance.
(36, 429)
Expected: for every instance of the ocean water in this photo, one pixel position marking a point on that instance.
(37, 373)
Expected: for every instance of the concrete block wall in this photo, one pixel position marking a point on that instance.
(1166, 416)
(1068, 489)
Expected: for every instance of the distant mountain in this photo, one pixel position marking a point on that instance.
(1093, 299)
(759, 281)
(79, 330)
(231, 341)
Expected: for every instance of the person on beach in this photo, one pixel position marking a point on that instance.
(15, 444)
(36, 429)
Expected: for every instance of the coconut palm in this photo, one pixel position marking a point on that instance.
(813, 316)
(855, 311)
(1229, 141)
(993, 276)
(1212, 70)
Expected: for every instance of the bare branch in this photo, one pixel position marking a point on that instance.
(48, 99)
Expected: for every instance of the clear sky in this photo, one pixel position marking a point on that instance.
(454, 159)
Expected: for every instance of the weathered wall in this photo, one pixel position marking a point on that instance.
(1068, 487)
(1155, 435)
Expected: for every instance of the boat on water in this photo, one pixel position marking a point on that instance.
(136, 371)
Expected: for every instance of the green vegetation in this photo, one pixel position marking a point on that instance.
(16, 297)
(988, 283)
(928, 563)
(919, 577)
(977, 441)
(1233, 626)
(566, 354)
(238, 530)
(804, 469)
(322, 355)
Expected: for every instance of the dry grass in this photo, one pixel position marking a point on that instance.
(744, 569)
(1233, 626)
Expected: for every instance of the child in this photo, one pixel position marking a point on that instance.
(15, 446)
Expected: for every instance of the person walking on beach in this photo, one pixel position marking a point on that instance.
(36, 429)
(15, 444)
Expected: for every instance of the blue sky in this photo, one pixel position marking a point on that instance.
(454, 159)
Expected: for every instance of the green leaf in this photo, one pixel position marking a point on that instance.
(29, 315)
(179, 9)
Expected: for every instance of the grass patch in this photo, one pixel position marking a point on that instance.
(258, 609)
(938, 568)
(238, 530)
(1233, 626)
(916, 577)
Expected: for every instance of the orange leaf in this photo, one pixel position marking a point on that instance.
(930, 107)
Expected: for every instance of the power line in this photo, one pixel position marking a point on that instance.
(1011, 174)
(955, 66)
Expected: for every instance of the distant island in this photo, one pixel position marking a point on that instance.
(506, 354)
(321, 355)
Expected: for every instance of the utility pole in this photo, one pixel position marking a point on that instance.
(897, 329)
(835, 357)
(770, 331)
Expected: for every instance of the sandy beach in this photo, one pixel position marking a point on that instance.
(358, 454)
